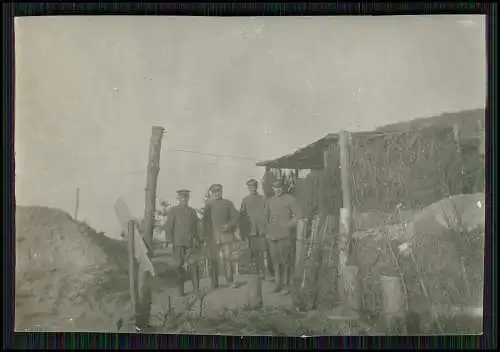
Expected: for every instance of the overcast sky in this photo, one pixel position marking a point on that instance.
(89, 89)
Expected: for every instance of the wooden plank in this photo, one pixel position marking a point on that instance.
(123, 213)
(140, 250)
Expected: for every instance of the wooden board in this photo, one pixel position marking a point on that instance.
(141, 252)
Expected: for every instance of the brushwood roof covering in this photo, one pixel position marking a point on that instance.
(311, 156)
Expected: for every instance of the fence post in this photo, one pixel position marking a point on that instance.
(348, 279)
(132, 274)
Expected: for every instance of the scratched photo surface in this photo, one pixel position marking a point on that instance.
(287, 176)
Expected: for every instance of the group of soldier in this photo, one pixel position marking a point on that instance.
(267, 224)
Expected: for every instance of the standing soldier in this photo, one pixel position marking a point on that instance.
(182, 229)
(253, 225)
(220, 221)
(282, 212)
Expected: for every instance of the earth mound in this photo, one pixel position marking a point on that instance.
(68, 276)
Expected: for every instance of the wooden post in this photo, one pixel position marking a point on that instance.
(345, 165)
(132, 267)
(77, 203)
(393, 303)
(456, 136)
(300, 247)
(151, 183)
(345, 220)
(254, 293)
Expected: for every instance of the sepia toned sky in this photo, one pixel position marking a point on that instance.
(89, 89)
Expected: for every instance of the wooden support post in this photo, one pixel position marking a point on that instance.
(254, 293)
(151, 184)
(300, 247)
(346, 177)
(345, 295)
(456, 136)
(132, 267)
(394, 304)
(482, 137)
(77, 203)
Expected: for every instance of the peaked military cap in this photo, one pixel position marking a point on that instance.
(215, 187)
(252, 182)
(183, 192)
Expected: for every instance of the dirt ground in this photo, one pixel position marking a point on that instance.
(70, 278)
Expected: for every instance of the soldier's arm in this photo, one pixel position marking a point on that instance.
(267, 213)
(244, 221)
(206, 222)
(296, 211)
(233, 216)
(195, 221)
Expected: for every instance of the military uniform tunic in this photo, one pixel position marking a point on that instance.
(182, 229)
(219, 213)
(253, 215)
(282, 214)
(182, 226)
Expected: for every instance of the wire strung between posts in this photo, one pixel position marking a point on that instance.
(215, 155)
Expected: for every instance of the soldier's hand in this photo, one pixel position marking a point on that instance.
(224, 228)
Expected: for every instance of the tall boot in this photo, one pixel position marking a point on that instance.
(195, 277)
(229, 272)
(289, 278)
(180, 282)
(271, 268)
(260, 265)
(280, 271)
(214, 274)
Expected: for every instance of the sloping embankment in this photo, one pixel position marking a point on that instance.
(68, 277)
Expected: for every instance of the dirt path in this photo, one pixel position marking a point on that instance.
(216, 301)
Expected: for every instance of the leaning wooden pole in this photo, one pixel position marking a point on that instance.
(151, 184)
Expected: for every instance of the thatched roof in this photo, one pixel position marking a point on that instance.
(311, 156)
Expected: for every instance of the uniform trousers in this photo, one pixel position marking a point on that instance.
(182, 254)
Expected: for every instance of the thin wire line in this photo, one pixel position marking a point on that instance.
(143, 170)
(213, 154)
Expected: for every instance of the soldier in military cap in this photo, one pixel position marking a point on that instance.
(283, 211)
(181, 228)
(253, 224)
(220, 221)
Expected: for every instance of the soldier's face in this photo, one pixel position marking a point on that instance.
(252, 189)
(217, 194)
(278, 191)
(183, 200)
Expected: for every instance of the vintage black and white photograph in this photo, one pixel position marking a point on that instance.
(276, 176)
